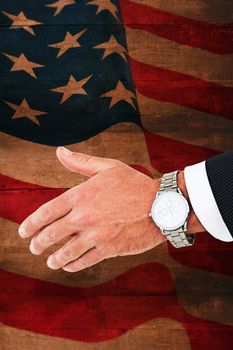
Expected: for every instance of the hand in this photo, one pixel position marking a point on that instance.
(108, 214)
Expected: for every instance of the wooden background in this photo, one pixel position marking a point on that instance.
(176, 132)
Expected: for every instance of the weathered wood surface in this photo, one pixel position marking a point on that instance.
(205, 293)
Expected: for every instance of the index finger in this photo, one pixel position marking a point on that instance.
(45, 214)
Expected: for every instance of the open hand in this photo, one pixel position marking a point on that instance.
(107, 215)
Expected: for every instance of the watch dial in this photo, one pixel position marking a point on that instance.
(170, 210)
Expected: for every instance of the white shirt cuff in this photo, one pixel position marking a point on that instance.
(203, 201)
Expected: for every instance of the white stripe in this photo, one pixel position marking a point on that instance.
(203, 201)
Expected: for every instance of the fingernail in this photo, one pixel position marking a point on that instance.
(50, 262)
(66, 269)
(32, 249)
(65, 150)
(22, 232)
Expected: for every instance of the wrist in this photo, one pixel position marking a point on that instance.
(193, 223)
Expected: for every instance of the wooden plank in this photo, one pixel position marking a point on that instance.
(157, 334)
(201, 293)
(197, 290)
(34, 163)
(214, 11)
(163, 53)
(186, 124)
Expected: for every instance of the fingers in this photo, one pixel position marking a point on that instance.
(72, 250)
(45, 214)
(53, 233)
(90, 258)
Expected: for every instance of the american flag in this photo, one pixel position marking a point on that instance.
(145, 81)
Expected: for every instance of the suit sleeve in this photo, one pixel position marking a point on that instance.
(210, 188)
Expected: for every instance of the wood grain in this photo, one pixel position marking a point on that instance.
(151, 49)
(201, 293)
(202, 10)
(186, 124)
(158, 334)
(35, 163)
(210, 298)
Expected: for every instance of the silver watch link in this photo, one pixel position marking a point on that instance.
(170, 210)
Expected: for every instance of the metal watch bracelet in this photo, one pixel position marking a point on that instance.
(179, 237)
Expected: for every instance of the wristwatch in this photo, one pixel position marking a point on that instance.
(170, 211)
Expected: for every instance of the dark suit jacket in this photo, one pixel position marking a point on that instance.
(220, 175)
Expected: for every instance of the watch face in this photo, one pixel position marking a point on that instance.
(170, 210)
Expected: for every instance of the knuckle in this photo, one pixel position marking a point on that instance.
(81, 194)
(82, 217)
(68, 195)
(84, 158)
(68, 254)
(44, 214)
(71, 219)
(76, 196)
(51, 235)
(99, 239)
(75, 218)
(118, 162)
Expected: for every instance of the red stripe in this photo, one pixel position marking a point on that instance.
(8, 183)
(103, 312)
(211, 37)
(169, 86)
(167, 154)
(22, 198)
(208, 253)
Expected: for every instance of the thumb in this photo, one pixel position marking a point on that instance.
(83, 163)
